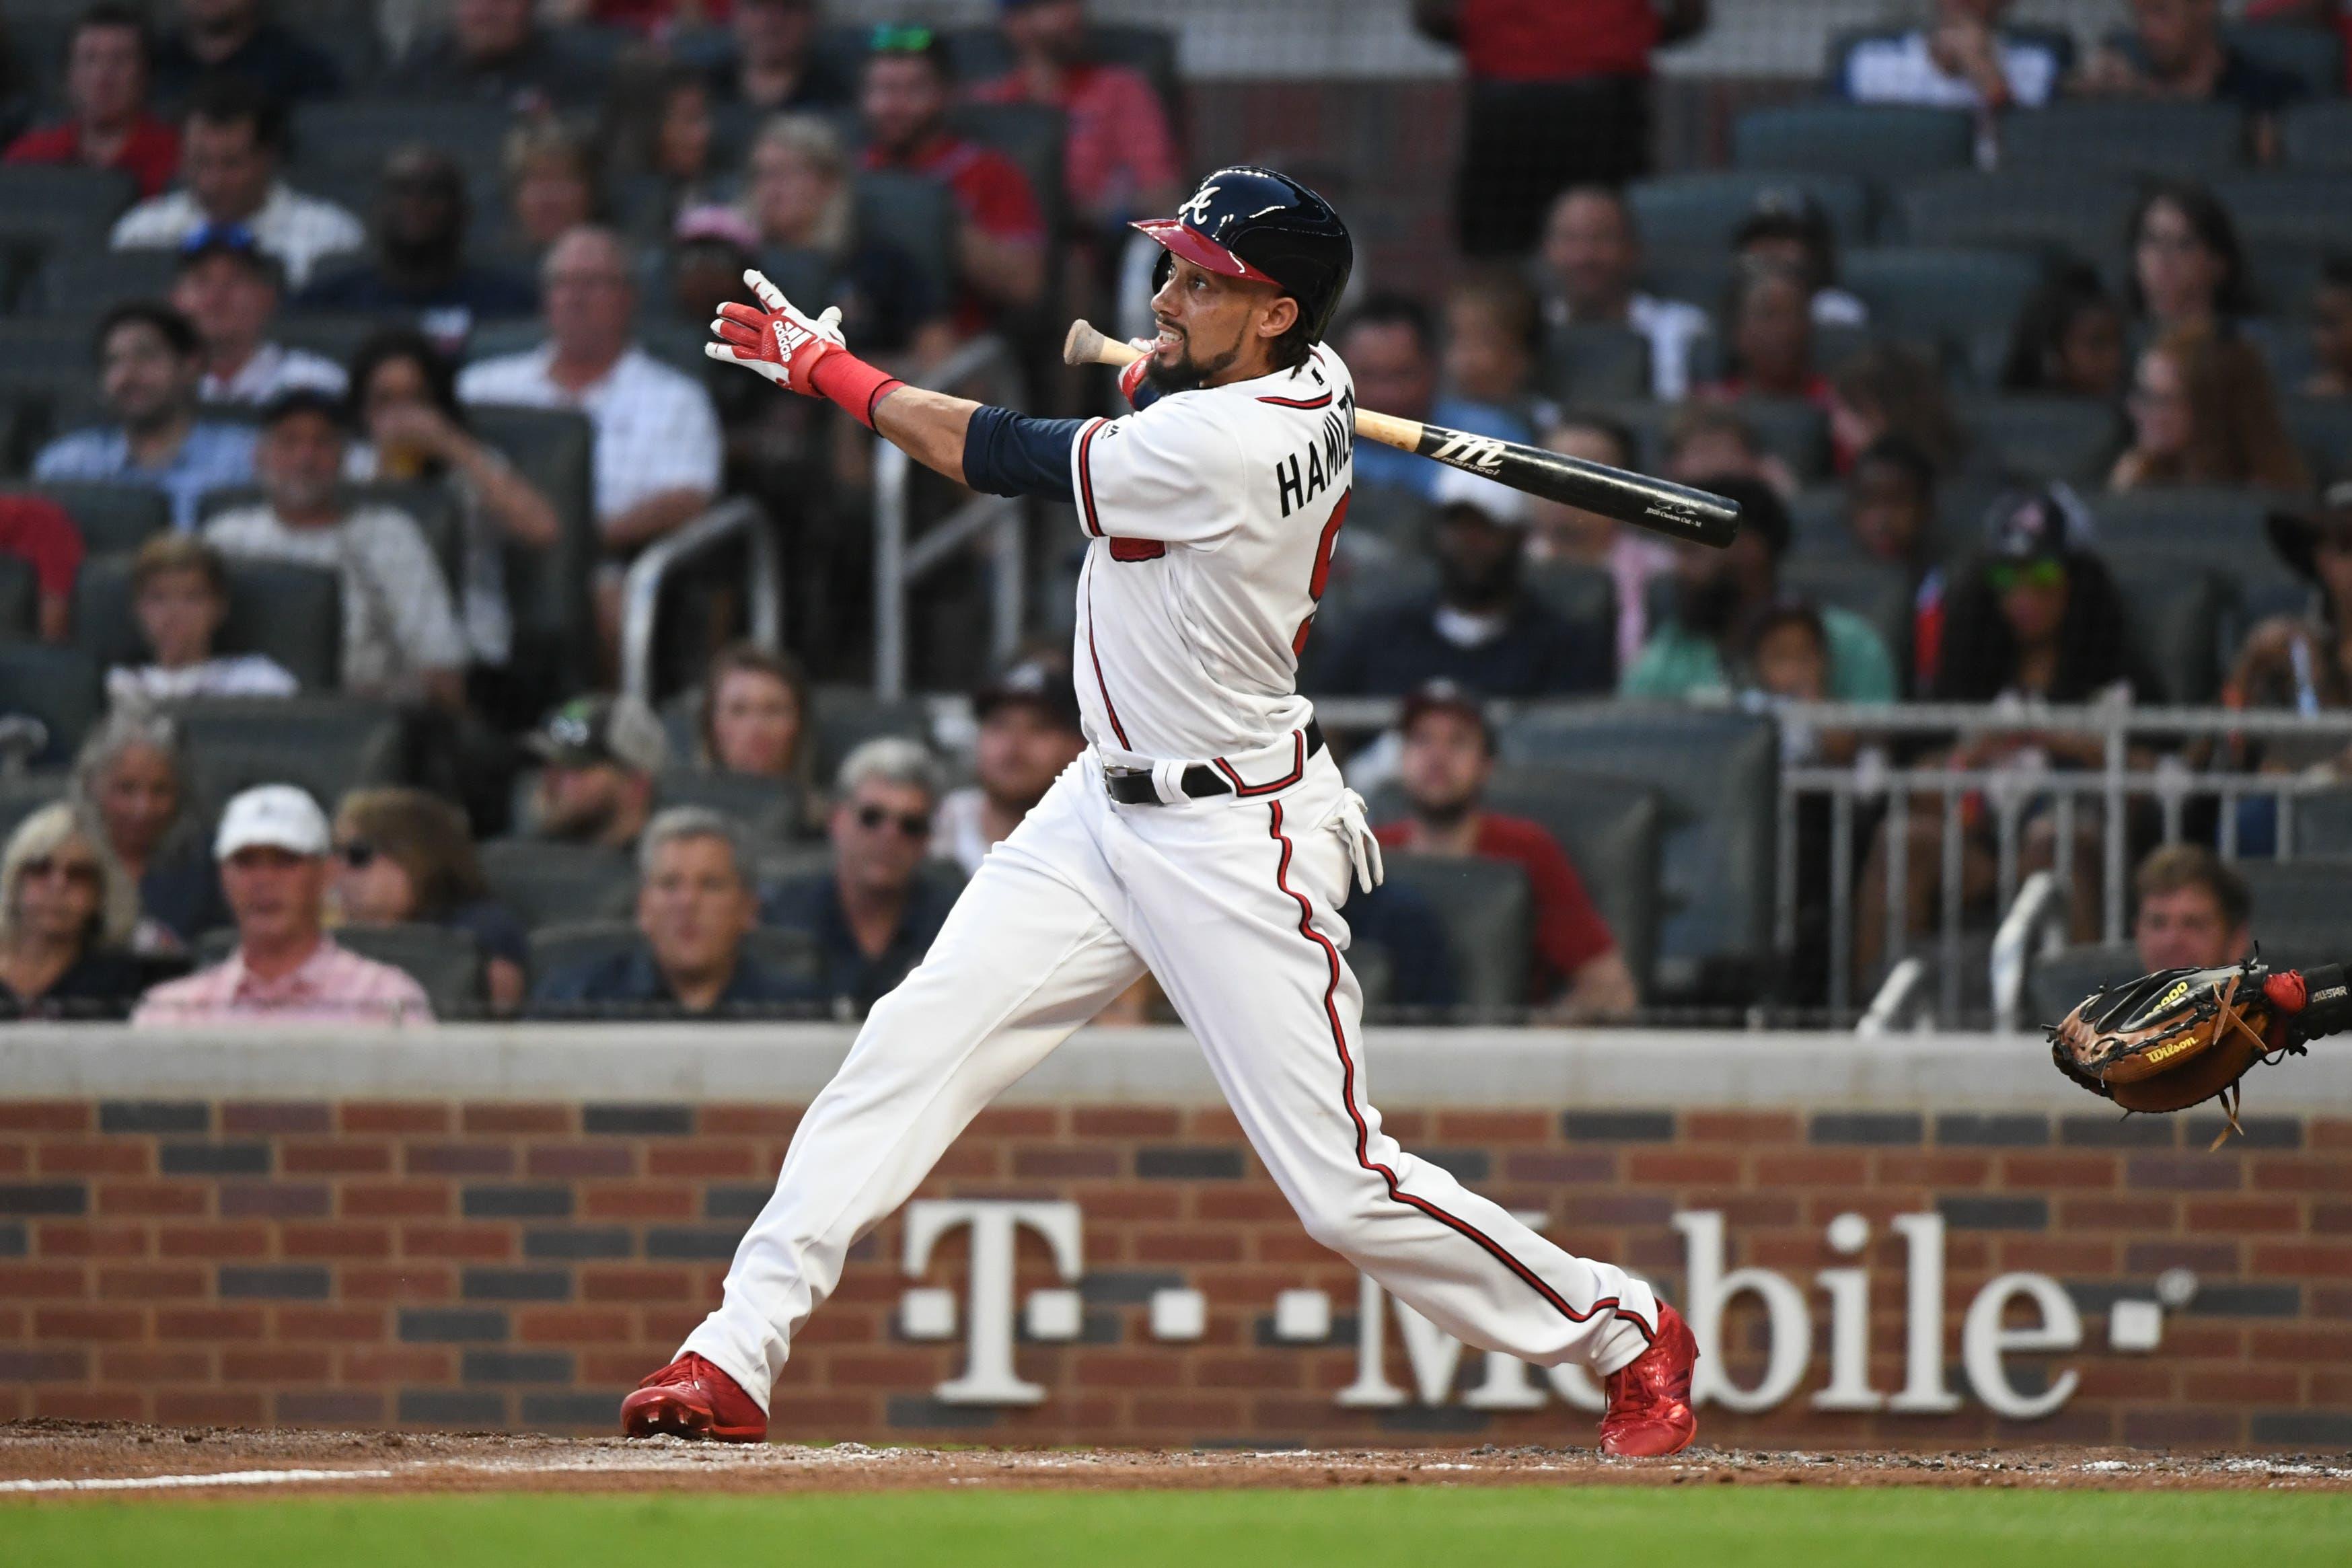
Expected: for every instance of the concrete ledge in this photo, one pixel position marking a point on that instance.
(789, 1063)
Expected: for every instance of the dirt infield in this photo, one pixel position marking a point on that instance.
(48, 1458)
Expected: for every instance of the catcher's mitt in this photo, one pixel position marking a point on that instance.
(2178, 1037)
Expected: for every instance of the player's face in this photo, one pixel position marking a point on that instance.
(1445, 764)
(2185, 929)
(1209, 325)
(693, 908)
(1021, 752)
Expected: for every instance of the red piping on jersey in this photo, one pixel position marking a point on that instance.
(1298, 769)
(1100, 685)
(1323, 402)
(1363, 1132)
(1087, 481)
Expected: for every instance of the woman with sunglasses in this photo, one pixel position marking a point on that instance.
(67, 908)
(402, 856)
(2035, 619)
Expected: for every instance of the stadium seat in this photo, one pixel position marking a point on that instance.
(2323, 428)
(848, 716)
(1817, 522)
(1700, 212)
(1873, 140)
(328, 745)
(554, 948)
(1938, 296)
(2180, 515)
(2318, 134)
(1581, 595)
(1878, 592)
(548, 589)
(2074, 439)
(2082, 216)
(58, 687)
(86, 200)
(1791, 429)
(292, 613)
(1489, 923)
(22, 794)
(87, 281)
(2056, 983)
(1588, 364)
(1033, 136)
(2297, 206)
(2177, 610)
(916, 214)
(2323, 822)
(546, 883)
(20, 599)
(348, 140)
(1718, 773)
(2284, 272)
(113, 518)
(446, 962)
(767, 808)
(2128, 137)
(1611, 827)
(2300, 913)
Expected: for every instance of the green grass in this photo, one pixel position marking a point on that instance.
(1711, 1527)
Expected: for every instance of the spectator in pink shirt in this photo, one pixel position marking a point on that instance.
(1118, 157)
(272, 848)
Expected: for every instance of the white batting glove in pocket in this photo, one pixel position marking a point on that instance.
(1352, 823)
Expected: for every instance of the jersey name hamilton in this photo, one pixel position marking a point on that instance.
(1211, 516)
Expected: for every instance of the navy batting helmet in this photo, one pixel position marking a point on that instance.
(1255, 222)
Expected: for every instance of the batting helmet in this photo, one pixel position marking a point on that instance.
(1255, 222)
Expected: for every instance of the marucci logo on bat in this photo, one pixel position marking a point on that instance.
(1477, 454)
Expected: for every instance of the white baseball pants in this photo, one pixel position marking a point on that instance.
(1233, 904)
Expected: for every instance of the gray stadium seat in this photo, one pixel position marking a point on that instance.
(1700, 212)
(2081, 215)
(2323, 822)
(1489, 923)
(547, 884)
(58, 687)
(1582, 595)
(1871, 139)
(2307, 206)
(916, 214)
(1791, 429)
(2323, 428)
(1594, 363)
(328, 745)
(767, 808)
(90, 280)
(2313, 55)
(22, 794)
(20, 599)
(847, 716)
(1878, 590)
(1817, 518)
(446, 962)
(1611, 828)
(1719, 772)
(292, 613)
(548, 589)
(2127, 136)
(2074, 439)
(348, 140)
(2055, 984)
(1033, 136)
(2318, 134)
(2176, 611)
(91, 199)
(113, 518)
(1936, 295)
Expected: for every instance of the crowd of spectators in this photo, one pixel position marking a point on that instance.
(569, 258)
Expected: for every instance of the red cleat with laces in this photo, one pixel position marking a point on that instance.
(1649, 1414)
(690, 1398)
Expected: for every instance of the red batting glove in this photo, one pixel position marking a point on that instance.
(1132, 377)
(779, 342)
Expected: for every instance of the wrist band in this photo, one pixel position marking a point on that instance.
(841, 377)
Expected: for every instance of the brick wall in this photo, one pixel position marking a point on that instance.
(499, 1264)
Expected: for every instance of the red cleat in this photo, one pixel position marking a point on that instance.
(692, 1398)
(1649, 1414)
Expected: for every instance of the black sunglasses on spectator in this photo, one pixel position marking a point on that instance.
(913, 824)
(359, 854)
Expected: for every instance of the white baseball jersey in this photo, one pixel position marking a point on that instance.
(1211, 516)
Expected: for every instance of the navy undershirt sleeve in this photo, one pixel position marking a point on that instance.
(1009, 454)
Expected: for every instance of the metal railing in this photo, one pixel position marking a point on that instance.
(995, 525)
(641, 591)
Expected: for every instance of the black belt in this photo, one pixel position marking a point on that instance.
(1202, 781)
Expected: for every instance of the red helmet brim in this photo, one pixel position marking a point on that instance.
(1182, 239)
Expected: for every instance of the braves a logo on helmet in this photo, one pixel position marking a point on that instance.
(1477, 454)
(1197, 210)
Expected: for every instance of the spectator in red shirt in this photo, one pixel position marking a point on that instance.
(1558, 96)
(109, 67)
(1769, 318)
(1578, 973)
(1118, 156)
(1001, 242)
(37, 532)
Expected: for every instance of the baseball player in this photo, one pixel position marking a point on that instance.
(1205, 834)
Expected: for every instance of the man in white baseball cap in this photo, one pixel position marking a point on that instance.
(272, 849)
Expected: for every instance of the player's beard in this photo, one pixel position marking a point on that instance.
(1187, 374)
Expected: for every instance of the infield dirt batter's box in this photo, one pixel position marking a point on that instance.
(1928, 1242)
